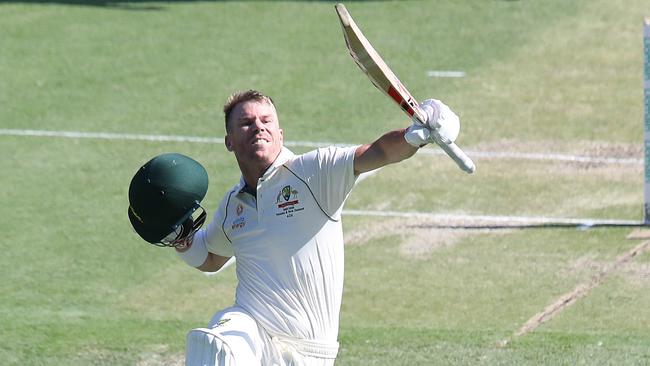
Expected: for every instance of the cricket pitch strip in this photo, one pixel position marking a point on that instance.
(578, 292)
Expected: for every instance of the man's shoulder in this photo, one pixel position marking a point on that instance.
(323, 153)
(321, 159)
(229, 194)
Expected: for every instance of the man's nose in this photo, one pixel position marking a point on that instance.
(259, 125)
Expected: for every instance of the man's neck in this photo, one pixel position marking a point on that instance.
(251, 175)
(252, 171)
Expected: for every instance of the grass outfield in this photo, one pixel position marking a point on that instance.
(79, 287)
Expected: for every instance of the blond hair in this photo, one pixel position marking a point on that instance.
(241, 97)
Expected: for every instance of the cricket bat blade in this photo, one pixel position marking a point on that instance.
(383, 78)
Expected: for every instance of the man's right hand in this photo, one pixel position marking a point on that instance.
(183, 246)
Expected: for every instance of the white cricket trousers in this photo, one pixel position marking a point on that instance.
(234, 338)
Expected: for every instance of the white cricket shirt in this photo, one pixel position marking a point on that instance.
(288, 242)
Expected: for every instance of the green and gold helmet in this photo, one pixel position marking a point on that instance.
(165, 196)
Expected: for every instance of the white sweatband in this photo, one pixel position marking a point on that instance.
(196, 255)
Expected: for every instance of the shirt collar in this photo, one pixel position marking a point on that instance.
(284, 156)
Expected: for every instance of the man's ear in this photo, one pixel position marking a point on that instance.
(228, 143)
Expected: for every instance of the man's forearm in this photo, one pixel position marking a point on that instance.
(389, 148)
(196, 254)
(213, 263)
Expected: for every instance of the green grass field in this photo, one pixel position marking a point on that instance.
(79, 288)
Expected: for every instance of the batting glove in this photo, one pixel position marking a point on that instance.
(443, 123)
(417, 135)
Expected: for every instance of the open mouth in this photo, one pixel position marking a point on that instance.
(259, 141)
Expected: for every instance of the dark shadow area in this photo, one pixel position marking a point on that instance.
(142, 4)
(117, 4)
(146, 5)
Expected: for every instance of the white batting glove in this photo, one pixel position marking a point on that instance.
(442, 122)
(417, 135)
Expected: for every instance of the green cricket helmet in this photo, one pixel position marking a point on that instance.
(164, 195)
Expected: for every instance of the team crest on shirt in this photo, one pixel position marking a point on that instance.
(288, 202)
(287, 197)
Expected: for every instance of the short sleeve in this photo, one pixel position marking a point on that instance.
(329, 173)
(214, 237)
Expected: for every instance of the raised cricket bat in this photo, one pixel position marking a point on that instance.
(383, 78)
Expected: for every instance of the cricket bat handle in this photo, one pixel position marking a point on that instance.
(459, 156)
(451, 149)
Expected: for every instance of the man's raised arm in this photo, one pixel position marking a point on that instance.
(397, 145)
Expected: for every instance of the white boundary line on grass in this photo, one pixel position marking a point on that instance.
(314, 144)
(554, 157)
(445, 74)
(483, 219)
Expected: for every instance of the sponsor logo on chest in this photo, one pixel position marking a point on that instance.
(240, 221)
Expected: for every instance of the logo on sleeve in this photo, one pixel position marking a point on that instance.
(288, 202)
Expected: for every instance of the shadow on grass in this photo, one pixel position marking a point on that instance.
(138, 4)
